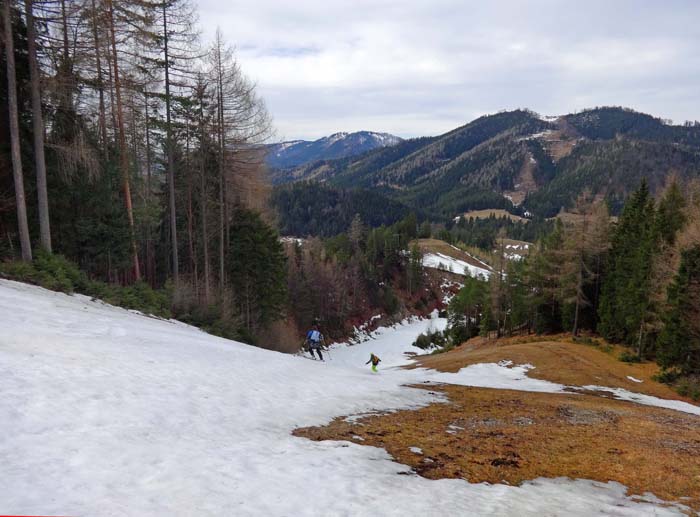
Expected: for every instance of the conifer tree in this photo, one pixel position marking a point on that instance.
(624, 307)
(257, 270)
(679, 342)
(414, 274)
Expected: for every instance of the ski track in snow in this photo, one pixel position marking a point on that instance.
(107, 412)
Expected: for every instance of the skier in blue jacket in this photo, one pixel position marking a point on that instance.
(314, 340)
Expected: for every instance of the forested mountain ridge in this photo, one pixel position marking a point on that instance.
(363, 164)
(522, 162)
(338, 145)
(608, 122)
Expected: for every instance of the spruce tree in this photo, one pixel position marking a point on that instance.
(625, 294)
(257, 270)
(670, 217)
(679, 342)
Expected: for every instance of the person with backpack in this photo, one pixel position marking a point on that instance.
(314, 340)
(375, 361)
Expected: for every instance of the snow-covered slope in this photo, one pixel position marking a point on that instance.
(108, 412)
(453, 265)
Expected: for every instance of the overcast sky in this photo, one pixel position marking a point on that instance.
(416, 68)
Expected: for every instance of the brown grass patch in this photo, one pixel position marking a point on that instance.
(524, 183)
(509, 436)
(559, 144)
(556, 359)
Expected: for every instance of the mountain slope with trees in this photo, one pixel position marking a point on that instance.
(518, 161)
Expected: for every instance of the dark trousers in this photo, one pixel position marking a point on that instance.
(318, 351)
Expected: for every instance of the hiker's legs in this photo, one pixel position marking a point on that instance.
(318, 351)
(374, 367)
(311, 351)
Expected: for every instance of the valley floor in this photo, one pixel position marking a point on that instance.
(108, 412)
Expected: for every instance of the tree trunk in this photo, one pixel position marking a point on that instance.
(38, 126)
(100, 83)
(169, 151)
(579, 287)
(203, 200)
(150, 254)
(23, 226)
(123, 157)
(222, 195)
(222, 208)
(190, 214)
(205, 240)
(67, 70)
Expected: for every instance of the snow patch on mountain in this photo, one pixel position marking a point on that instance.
(338, 145)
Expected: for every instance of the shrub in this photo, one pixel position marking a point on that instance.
(430, 340)
(689, 387)
(422, 341)
(667, 376)
(629, 357)
(56, 273)
(695, 393)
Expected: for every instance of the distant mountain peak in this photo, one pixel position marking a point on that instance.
(338, 145)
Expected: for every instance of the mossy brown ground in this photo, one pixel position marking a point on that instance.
(556, 359)
(510, 436)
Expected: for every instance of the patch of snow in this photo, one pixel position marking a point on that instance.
(647, 400)
(284, 145)
(335, 137)
(633, 379)
(447, 287)
(416, 450)
(453, 265)
(111, 413)
(506, 376)
(292, 240)
(534, 136)
(503, 376)
(454, 429)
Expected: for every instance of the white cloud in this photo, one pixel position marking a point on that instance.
(424, 67)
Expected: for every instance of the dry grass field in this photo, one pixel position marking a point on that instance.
(506, 436)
